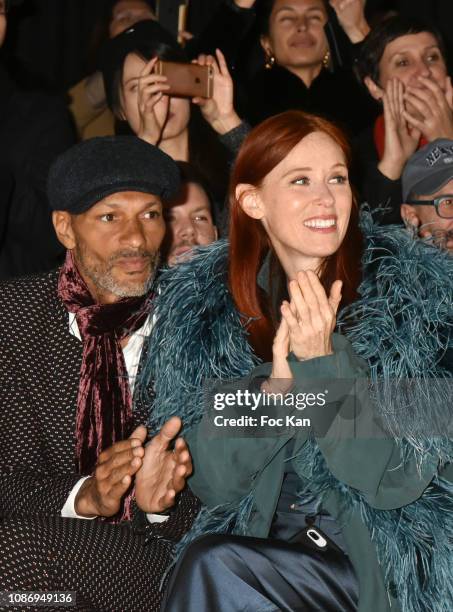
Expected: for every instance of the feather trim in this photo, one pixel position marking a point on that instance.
(207, 342)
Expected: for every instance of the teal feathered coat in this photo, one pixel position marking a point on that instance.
(393, 497)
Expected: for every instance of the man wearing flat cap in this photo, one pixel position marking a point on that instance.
(72, 442)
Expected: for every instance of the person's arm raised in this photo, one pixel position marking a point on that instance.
(219, 110)
(351, 16)
(151, 89)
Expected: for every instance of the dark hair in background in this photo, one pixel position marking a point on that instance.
(384, 33)
(146, 50)
(101, 30)
(249, 243)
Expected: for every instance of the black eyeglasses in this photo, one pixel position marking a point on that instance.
(443, 204)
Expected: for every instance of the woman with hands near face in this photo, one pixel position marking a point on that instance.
(402, 63)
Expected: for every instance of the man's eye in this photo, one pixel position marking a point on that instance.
(402, 63)
(446, 204)
(303, 180)
(286, 19)
(201, 218)
(434, 57)
(108, 217)
(152, 214)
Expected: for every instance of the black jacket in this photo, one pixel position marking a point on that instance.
(34, 129)
(39, 382)
(337, 96)
(374, 187)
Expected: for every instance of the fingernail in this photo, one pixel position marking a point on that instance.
(135, 443)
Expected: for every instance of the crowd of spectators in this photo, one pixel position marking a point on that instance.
(388, 88)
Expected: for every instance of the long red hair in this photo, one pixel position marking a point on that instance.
(263, 149)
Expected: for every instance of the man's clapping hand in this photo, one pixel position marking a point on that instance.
(101, 494)
(160, 473)
(164, 471)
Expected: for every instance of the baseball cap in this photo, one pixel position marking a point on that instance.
(429, 169)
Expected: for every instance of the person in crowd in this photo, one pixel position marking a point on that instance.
(34, 129)
(427, 184)
(227, 27)
(188, 217)
(261, 493)
(137, 96)
(298, 59)
(437, 12)
(71, 442)
(402, 63)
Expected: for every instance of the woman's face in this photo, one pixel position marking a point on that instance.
(306, 200)
(127, 13)
(409, 57)
(175, 119)
(296, 33)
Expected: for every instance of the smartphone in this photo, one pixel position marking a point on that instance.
(187, 80)
(172, 15)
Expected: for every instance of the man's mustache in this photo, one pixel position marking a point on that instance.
(137, 254)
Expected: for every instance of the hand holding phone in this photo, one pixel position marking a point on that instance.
(218, 110)
(187, 80)
(152, 89)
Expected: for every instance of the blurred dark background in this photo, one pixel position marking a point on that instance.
(51, 43)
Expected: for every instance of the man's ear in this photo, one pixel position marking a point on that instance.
(409, 216)
(375, 91)
(249, 200)
(62, 222)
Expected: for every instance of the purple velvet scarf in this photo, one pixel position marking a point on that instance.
(104, 403)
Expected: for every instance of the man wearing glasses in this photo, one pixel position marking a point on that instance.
(428, 193)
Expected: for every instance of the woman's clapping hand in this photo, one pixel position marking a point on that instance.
(311, 316)
(306, 328)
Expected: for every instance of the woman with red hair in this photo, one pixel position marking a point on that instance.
(323, 512)
(311, 217)
(294, 255)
